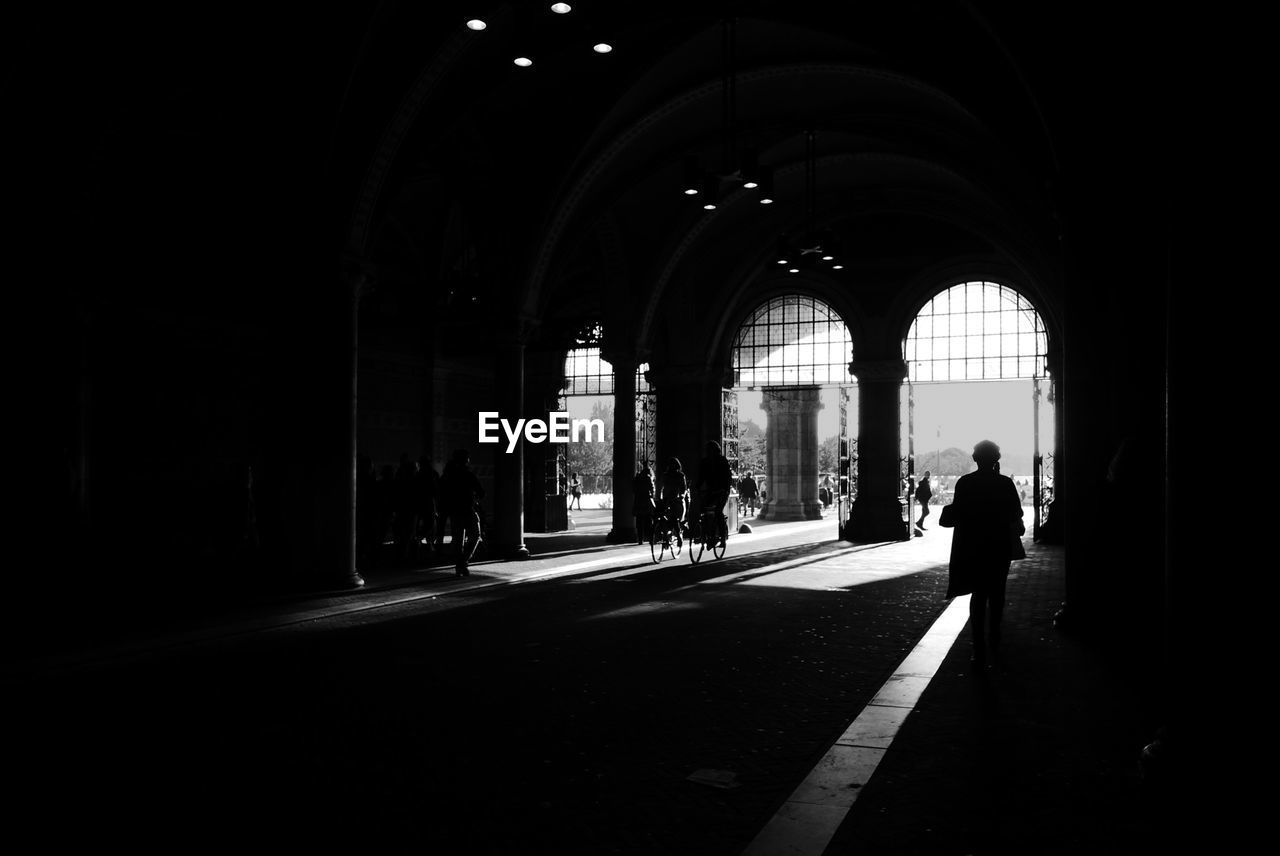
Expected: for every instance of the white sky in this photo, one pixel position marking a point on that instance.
(963, 412)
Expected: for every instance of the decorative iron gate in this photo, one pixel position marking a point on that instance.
(909, 475)
(729, 427)
(646, 429)
(1042, 468)
(846, 467)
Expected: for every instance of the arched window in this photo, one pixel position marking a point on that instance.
(976, 331)
(792, 341)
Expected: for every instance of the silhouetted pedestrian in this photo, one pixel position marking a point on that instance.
(923, 494)
(642, 488)
(460, 490)
(748, 492)
(426, 486)
(987, 517)
(575, 491)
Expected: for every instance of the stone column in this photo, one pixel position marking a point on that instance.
(508, 525)
(792, 454)
(336, 525)
(688, 415)
(877, 513)
(624, 447)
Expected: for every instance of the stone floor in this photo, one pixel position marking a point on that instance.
(593, 702)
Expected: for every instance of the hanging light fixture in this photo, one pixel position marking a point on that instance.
(765, 177)
(692, 176)
(811, 246)
(738, 167)
(710, 192)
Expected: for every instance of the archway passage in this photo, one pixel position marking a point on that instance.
(790, 362)
(977, 368)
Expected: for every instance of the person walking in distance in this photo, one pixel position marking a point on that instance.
(460, 490)
(749, 493)
(642, 488)
(575, 491)
(987, 516)
(923, 494)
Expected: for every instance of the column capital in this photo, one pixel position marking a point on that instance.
(791, 400)
(1053, 361)
(620, 357)
(879, 371)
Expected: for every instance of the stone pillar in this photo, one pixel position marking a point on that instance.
(792, 454)
(877, 513)
(336, 525)
(688, 415)
(624, 447)
(508, 525)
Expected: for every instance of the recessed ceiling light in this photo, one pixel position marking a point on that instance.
(602, 48)
(766, 201)
(710, 206)
(782, 261)
(523, 61)
(750, 185)
(793, 270)
(561, 8)
(476, 24)
(837, 267)
(691, 191)
(827, 258)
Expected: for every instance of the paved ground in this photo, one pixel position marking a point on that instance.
(567, 715)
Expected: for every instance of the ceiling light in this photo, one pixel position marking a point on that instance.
(692, 175)
(837, 267)
(827, 258)
(793, 270)
(782, 261)
(476, 24)
(523, 61)
(750, 185)
(561, 8)
(764, 200)
(602, 48)
(710, 206)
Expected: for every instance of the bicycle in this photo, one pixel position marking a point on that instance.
(665, 537)
(706, 536)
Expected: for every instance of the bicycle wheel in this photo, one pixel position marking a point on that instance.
(719, 549)
(695, 546)
(656, 543)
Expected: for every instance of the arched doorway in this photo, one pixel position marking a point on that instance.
(790, 363)
(977, 368)
(601, 394)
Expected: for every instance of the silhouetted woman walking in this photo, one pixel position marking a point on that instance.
(987, 516)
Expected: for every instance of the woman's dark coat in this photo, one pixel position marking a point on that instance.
(987, 516)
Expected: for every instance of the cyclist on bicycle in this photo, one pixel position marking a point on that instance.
(714, 481)
(672, 490)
